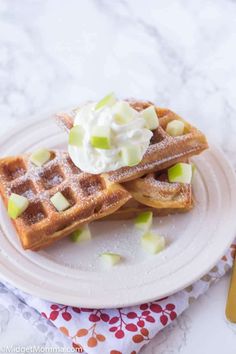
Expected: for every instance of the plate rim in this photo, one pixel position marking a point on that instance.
(58, 298)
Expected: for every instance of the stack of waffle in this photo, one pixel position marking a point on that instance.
(120, 194)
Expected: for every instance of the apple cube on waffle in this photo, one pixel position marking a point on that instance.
(155, 193)
(165, 149)
(87, 197)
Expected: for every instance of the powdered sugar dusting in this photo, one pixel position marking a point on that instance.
(89, 195)
(164, 150)
(29, 194)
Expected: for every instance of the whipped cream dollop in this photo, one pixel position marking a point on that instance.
(93, 160)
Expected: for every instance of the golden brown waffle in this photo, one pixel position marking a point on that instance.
(91, 197)
(155, 193)
(164, 150)
(133, 208)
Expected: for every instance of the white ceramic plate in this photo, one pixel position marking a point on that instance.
(73, 274)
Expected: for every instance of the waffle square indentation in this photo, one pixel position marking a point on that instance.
(34, 213)
(14, 170)
(26, 189)
(169, 119)
(158, 136)
(69, 195)
(52, 177)
(91, 185)
(75, 170)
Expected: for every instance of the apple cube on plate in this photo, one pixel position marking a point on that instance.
(108, 100)
(175, 128)
(150, 116)
(40, 157)
(144, 220)
(82, 234)
(110, 259)
(152, 243)
(123, 112)
(181, 172)
(76, 136)
(101, 137)
(131, 155)
(60, 202)
(17, 204)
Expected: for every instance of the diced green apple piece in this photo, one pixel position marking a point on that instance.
(40, 157)
(131, 155)
(181, 172)
(123, 112)
(110, 259)
(76, 136)
(108, 100)
(101, 137)
(150, 116)
(82, 234)
(60, 202)
(152, 243)
(17, 204)
(144, 220)
(175, 128)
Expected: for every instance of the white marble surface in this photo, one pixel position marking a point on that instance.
(180, 54)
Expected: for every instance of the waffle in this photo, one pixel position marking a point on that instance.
(154, 193)
(133, 208)
(164, 150)
(91, 197)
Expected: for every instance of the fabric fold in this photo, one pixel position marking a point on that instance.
(123, 330)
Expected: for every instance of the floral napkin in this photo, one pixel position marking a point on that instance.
(123, 330)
